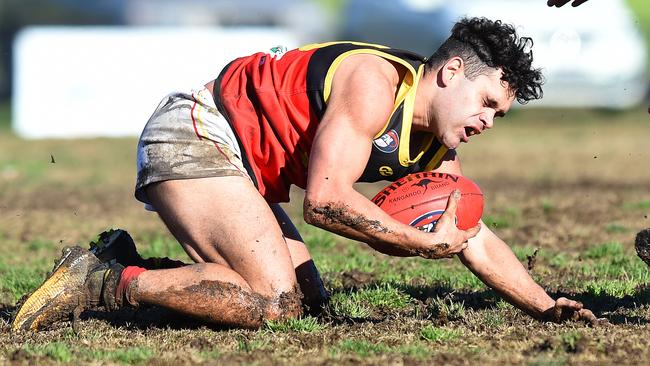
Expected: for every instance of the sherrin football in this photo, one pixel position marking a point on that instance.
(419, 200)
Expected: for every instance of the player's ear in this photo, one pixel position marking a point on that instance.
(451, 69)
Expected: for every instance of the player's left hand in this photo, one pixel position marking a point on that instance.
(566, 309)
(559, 3)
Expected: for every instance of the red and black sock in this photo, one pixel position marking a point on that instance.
(129, 274)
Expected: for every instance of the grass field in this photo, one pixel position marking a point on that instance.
(569, 185)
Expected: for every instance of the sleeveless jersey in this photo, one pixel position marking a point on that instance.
(274, 102)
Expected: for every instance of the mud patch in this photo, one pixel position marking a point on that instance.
(21, 356)
(287, 305)
(438, 251)
(224, 303)
(333, 213)
(201, 343)
(356, 279)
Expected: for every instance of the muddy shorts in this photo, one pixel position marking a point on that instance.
(185, 138)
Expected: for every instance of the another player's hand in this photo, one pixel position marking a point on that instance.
(559, 3)
(447, 239)
(566, 309)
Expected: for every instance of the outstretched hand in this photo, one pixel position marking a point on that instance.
(566, 309)
(559, 3)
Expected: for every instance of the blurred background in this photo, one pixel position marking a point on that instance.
(75, 68)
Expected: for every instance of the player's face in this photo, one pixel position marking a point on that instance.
(469, 107)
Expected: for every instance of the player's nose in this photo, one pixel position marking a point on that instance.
(487, 119)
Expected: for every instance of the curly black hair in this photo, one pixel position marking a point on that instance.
(485, 44)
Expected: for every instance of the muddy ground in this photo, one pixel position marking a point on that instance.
(555, 181)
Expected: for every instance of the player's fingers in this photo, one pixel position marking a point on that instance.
(588, 316)
(561, 301)
(471, 232)
(575, 316)
(566, 303)
(557, 313)
(600, 322)
(452, 203)
(577, 305)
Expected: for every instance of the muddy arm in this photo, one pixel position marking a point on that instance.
(341, 149)
(491, 260)
(360, 103)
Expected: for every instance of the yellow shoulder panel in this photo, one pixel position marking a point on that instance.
(310, 47)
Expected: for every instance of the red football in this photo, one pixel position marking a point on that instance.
(420, 198)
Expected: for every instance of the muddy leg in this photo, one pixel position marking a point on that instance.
(200, 291)
(244, 271)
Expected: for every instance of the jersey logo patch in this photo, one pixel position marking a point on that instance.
(386, 171)
(278, 51)
(388, 142)
(275, 52)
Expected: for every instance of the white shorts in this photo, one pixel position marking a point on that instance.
(185, 138)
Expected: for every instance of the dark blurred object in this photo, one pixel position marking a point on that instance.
(642, 245)
(560, 3)
(592, 56)
(16, 14)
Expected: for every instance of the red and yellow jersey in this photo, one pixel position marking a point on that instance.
(275, 102)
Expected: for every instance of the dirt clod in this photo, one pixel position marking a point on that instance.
(532, 259)
(356, 279)
(20, 355)
(642, 245)
(201, 343)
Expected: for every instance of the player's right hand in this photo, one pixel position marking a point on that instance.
(567, 309)
(448, 240)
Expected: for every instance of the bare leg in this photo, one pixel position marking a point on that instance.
(213, 299)
(245, 272)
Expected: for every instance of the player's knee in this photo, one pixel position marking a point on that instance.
(285, 305)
